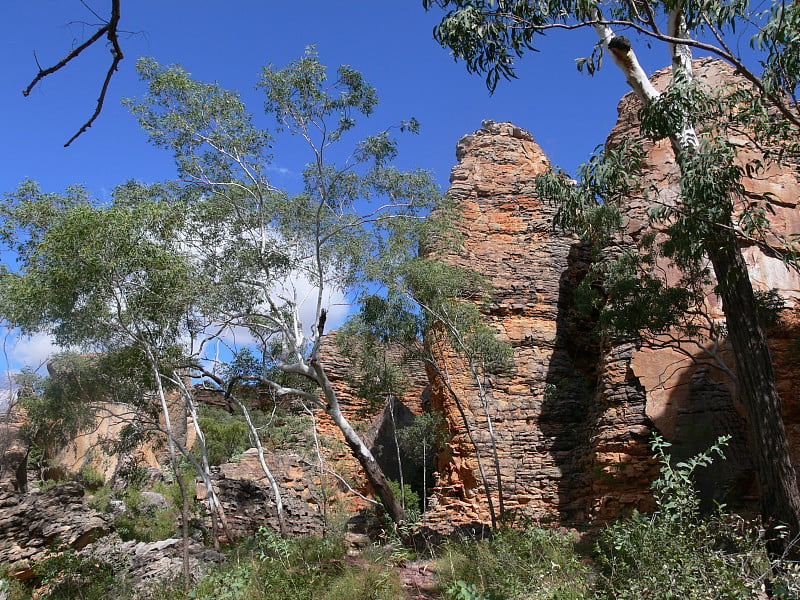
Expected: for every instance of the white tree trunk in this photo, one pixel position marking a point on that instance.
(272, 481)
(682, 67)
(173, 458)
(214, 505)
(625, 58)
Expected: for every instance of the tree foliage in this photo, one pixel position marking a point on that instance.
(173, 269)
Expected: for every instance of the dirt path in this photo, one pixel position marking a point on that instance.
(419, 580)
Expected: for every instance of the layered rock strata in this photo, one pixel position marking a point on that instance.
(569, 418)
(573, 418)
(40, 520)
(690, 400)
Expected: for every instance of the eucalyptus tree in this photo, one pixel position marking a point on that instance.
(708, 219)
(109, 279)
(278, 263)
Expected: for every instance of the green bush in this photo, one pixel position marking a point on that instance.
(413, 504)
(65, 574)
(369, 582)
(227, 435)
(145, 523)
(676, 553)
(527, 562)
(461, 590)
(91, 477)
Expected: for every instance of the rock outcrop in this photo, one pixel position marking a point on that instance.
(574, 416)
(13, 453)
(37, 521)
(572, 419)
(688, 399)
(568, 438)
(147, 564)
(248, 499)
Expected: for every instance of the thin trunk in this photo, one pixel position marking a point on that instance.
(424, 478)
(175, 466)
(261, 460)
(484, 479)
(489, 425)
(321, 468)
(214, 504)
(397, 449)
(184, 530)
(487, 490)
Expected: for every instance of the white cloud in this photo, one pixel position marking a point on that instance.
(298, 289)
(30, 351)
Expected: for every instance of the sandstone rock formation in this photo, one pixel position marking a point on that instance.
(569, 438)
(34, 522)
(688, 400)
(89, 449)
(248, 499)
(13, 453)
(574, 416)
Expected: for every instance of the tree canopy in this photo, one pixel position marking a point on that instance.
(173, 269)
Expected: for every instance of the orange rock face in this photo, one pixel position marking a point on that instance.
(690, 401)
(574, 417)
(569, 420)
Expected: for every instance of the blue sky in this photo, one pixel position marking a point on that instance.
(389, 41)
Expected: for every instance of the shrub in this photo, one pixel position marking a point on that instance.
(676, 553)
(227, 435)
(144, 522)
(528, 562)
(304, 568)
(91, 477)
(369, 582)
(70, 575)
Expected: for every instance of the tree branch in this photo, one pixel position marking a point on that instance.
(724, 52)
(110, 31)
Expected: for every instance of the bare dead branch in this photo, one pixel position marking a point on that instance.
(111, 32)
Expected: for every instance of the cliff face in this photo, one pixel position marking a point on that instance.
(572, 419)
(688, 399)
(574, 416)
(569, 419)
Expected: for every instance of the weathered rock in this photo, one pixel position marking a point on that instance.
(145, 564)
(13, 453)
(374, 422)
(90, 449)
(561, 429)
(690, 401)
(31, 523)
(574, 417)
(153, 501)
(248, 499)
